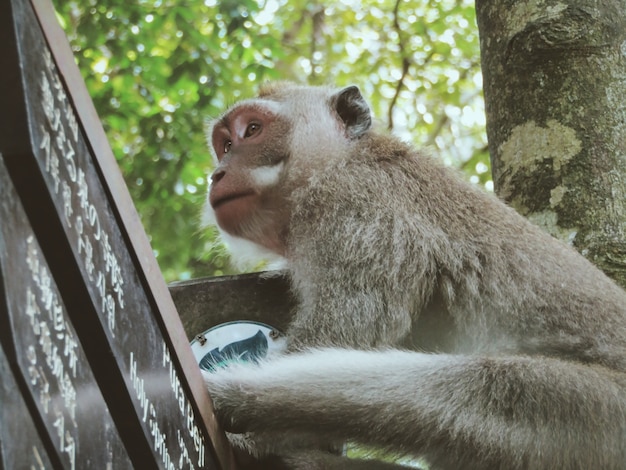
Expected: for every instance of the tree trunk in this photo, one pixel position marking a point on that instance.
(555, 94)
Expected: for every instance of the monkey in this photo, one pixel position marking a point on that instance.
(433, 320)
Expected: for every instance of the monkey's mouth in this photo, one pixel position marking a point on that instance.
(221, 200)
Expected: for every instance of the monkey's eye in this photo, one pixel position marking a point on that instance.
(227, 145)
(252, 129)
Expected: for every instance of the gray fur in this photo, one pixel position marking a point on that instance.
(522, 341)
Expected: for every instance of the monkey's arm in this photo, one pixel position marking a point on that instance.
(456, 411)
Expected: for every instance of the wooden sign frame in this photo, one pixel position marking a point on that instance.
(76, 262)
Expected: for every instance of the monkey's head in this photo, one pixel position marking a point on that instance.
(267, 146)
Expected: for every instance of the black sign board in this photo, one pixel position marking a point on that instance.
(38, 335)
(20, 445)
(83, 303)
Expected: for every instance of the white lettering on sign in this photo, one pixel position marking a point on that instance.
(38, 459)
(150, 416)
(184, 407)
(55, 341)
(94, 239)
(79, 211)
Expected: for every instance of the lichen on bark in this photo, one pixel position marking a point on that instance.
(531, 147)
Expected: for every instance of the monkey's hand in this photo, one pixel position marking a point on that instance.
(245, 446)
(229, 395)
(249, 448)
(234, 400)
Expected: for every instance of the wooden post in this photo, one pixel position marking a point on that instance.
(260, 297)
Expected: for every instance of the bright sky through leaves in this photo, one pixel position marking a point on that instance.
(157, 69)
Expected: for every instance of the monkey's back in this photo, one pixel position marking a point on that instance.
(395, 223)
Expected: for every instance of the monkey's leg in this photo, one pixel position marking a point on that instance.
(318, 460)
(456, 411)
(257, 445)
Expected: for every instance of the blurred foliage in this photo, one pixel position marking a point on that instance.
(156, 69)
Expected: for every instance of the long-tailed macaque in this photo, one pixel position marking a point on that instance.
(433, 320)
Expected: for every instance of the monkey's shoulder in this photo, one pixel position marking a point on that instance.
(379, 146)
(387, 152)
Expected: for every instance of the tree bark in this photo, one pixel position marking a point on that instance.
(554, 77)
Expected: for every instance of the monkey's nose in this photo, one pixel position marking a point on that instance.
(217, 175)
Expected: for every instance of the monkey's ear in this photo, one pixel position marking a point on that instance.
(353, 110)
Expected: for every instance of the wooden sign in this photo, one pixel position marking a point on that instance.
(41, 341)
(88, 329)
(20, 444)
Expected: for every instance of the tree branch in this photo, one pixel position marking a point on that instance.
(405, 64)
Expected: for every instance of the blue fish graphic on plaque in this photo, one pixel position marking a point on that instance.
(236, 342)
(248, 350)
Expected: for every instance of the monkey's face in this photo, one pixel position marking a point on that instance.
(268, 146)
(250, 144)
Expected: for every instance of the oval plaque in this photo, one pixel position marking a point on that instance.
(236, 341)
